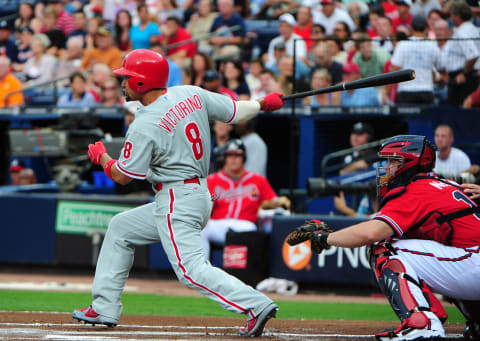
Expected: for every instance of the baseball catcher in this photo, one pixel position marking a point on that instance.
(424, 240)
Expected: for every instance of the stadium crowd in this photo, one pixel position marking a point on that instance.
(80, 42)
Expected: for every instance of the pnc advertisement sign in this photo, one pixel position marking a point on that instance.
(298, 263)
(84, 217)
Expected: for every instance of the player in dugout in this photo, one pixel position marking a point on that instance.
(424, 239)
(168, 144)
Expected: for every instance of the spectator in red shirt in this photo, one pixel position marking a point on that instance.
(238, 195)
(174, 33)
(404, 15)
(65, 20)
(304, 25)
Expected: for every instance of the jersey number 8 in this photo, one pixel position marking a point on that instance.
(193, 136)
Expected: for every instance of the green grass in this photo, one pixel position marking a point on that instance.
(149, 304)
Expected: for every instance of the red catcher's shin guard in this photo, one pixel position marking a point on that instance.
(435, 305)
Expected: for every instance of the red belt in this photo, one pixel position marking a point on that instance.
(159, 185)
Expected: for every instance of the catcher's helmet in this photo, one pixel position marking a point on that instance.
(415, 153)
(235, 147)
(147, 70)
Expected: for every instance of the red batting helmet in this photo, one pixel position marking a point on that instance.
(147, 70)
(416, 154)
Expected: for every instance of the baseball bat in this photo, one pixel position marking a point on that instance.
(377, 80)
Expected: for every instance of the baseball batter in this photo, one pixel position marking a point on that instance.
(426, 238)
(168, 144)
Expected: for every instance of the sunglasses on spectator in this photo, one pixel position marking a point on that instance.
(109, 88)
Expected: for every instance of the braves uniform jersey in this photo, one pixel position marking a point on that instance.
(169, 140)
(239, 199)
(413, 214)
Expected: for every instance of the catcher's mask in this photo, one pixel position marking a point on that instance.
(407, 155)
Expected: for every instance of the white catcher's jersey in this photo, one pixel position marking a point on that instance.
(169, 140)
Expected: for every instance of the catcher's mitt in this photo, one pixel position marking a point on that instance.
(315, 230)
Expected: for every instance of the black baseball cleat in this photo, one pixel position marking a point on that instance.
(88, 315)
(471, 332)
(255, 324)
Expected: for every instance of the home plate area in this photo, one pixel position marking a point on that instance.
(61, 326)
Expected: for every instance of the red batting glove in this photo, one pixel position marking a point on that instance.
(95, 152)
(273, 101)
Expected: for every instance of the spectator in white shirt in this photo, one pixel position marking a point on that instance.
(286, 26)
(450, 160)
(421, 56)
(330, 15)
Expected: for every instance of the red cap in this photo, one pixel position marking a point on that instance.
(350, 68)
(326, 2)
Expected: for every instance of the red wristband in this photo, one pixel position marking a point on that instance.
(108, 168)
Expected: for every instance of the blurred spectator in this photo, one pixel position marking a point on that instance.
(57, 37)
(370, 59)
(80, 22)
(201, 62)
(442, 34)
(253, 78)
(317, 34)
(234, 79)
(286, 79)
(99, 73)
(92, 30)
(321, 79)
(168, 8)
(123, 24)
(330, 14)
(111, 95)
(212, 81)
(254, 145)
(323, 60)
(222, 132)
(105, 52)
(304, 25)
(24, 50)
(64, 19)
(421, 56)
(15, 167)
(41, 67)
(287, 37)
(175, 74)
(335, 48)
(7, 44)
(239, 195)
(404, 16)
(358, 97)
(10, 86)
(36, 24)
(389, 91)
(272, 9)
(70, 59)
(373, 16)
(432, 17)
(390, 8)
(128, 5)
(342, 33)
(27, 177)
(146, 31)
(384, 30)
(361, 134)
(462, 55)
(78, 97)
(200, 23)
(226, 42)
(25, 15)
(268, 84)
(358, 11)
(424, 7)
(450, 160)
(173, 34)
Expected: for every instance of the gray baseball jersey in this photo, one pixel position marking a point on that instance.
(169, 140)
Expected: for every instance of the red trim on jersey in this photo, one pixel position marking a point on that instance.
(234, 112)
(442, 259)
(390, 222)
(180, 265)
(130, 174)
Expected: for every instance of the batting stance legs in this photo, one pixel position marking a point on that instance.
(407, 269)
(175, 218)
